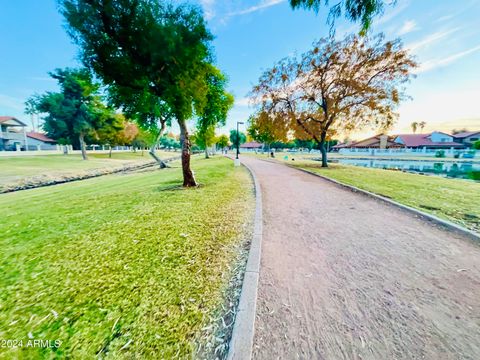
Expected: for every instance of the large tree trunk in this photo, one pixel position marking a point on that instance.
(110, 152)
(188, 178)
(323, 150)
(81, 139)
(206, 153)
(152, 148)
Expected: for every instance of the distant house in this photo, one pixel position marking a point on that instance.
(38, 140)
(434, 140)
(12, 133)
(252, 145)
(379, 141)
(467, 138)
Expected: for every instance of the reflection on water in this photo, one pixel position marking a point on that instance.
(461, 170)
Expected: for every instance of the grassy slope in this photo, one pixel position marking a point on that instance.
(15, 168)
(120, 258)
(451, 199)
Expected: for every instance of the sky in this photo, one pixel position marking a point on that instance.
(250, 36)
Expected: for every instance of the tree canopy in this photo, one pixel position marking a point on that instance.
(336, 87)
(157, 51)
(362, 11)
(214, 113)
(237, 137)
(76, 112)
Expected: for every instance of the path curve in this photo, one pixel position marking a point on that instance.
(345, 276)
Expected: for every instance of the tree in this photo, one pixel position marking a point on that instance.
(414, 126)
(215, 111)
(476, 145)
(76, 111)
(120, 132)
(148, 49)
(336, 87)
(458, 131)
(223, 142)
(421, 125)
(204, 138)
(266, 128)
(361, 11)
(237, 139)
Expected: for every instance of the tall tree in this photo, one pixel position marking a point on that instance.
(422, 125)
(222, 142)
(237, 138)
(266, 128)
(362, 11)
(336, 87)
(215, 111)
(145, 46)
(76, 111)
(414, 126)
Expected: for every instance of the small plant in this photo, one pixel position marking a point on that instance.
(440, 154)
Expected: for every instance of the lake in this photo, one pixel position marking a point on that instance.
(459, 170)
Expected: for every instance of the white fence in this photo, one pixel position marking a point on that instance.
(63, 149)
(423, 152)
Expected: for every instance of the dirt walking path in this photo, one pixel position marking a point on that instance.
(344, 276)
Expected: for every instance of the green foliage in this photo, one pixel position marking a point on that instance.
(362, 11)
(76, 111)
(218, 101)
(222, 141)
(239, 137)
(440, 154)
(204, 138)
(169, 142)
(144, 47)
(262, 132)
(476, 145)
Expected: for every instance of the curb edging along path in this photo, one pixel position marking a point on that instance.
(241, 343)
(445, 223)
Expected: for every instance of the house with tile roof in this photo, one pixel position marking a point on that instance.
(433, 141)
(13, 136)
(468, 138)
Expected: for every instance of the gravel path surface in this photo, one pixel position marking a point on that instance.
(344, 276)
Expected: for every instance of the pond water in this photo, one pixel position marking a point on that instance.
(460, 170)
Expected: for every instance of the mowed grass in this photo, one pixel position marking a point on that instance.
(15, 168)
(120, 266)
(454, 200)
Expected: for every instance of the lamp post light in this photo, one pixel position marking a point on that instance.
(238, 139)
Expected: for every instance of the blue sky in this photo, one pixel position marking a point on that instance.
(251, 35)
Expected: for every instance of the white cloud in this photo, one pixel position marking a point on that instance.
(429, 39)
(439, 62)
(262, 5)
(208, 8)
(245, 101)
(407, 27)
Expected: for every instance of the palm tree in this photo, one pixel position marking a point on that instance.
(422, 125)
(414, 126)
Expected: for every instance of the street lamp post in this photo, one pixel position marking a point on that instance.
(238, 139)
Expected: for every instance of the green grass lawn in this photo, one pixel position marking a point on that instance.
(120, 266)
(16, 168)
(450, 199)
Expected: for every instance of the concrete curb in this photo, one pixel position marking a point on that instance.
(241, 343)
(445, 223)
